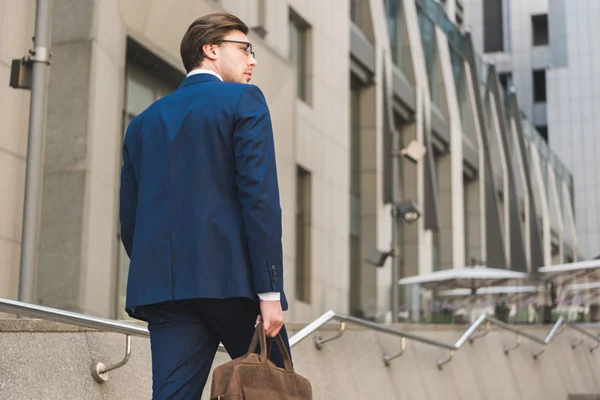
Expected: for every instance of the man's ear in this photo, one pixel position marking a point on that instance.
(210, 51)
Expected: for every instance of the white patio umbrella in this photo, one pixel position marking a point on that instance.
(472, 278)
(469, 278)
(572, 271)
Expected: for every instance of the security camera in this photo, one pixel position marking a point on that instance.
(414, 151)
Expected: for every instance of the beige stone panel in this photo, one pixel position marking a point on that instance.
(339, 206)
(340, 169)
(14, 116)
(16, 29)
(98, 274)
(318, 259)
(289, 267)
(320, 110)
(166, 24)
(105, 118)
(368, 198)
(12, 186)
(110, 31)
(99, 254)
(287, 193)
(299, 312)
(341, 218)
(339, 22)
(319, 196)
(246, 10)
(342, 262)
(330, 266)
(317, 306)
(100, 216)
(327, 263)
(134, 13)
(330, 298)
(274, 77)
(320, 156)
(9, 268)
(277, 26)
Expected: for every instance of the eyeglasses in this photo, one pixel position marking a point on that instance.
(249, 51)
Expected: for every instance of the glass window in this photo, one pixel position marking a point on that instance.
(543, 131)
(505, 80)
(539, 27)
(300, 54)
(458, 70)
(303, 218)
(393, 10)
(539, 86)
(356, 12)
(427, 29)
(493, 37)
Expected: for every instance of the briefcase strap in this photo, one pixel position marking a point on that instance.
(260, 338)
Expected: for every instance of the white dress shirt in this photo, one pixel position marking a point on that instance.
(271, 296)
(203, 71)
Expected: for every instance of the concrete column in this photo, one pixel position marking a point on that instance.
(539, 188)
(369, 198)
(422, 123)
(78, 240)
(66, 155)
(477, 238)
(445, 217)
(456, 225)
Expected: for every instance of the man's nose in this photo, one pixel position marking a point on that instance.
(252, 61)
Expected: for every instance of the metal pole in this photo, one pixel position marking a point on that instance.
(33, 177)
(395, 224)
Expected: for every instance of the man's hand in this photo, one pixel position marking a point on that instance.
(272, 317)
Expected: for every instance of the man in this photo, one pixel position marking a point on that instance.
(200, 212)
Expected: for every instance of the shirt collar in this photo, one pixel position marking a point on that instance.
(203, 71)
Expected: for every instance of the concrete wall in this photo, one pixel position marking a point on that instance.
(16, 29)
(52, 361)
(569, 60)
(573, 119)
(79, 244)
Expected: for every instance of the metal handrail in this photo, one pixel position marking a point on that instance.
(343, 318)
(99, 370)
(71, 318)
(583, 332)
(469, 334)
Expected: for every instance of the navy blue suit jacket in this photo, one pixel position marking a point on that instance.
(199, 198)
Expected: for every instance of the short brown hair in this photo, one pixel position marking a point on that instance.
(209, 29)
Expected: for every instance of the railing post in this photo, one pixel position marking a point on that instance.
(506, 349)
(319, 341)
(387, 358)
(441, 363)
(100, 371)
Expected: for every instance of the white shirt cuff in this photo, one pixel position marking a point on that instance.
(271, 296)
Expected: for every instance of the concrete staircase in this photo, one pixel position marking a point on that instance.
(47, 360)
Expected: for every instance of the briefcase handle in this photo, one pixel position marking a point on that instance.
(260, 338)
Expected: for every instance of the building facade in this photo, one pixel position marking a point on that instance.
(546, 50)
(346, 83)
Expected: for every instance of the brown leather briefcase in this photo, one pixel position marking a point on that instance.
(254, 377)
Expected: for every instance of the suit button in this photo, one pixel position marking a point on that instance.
(274, 268)
(275, 278)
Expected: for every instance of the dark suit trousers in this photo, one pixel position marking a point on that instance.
(185, 335)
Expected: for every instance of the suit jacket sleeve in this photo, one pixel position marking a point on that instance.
(128, 194)
(258, 190)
